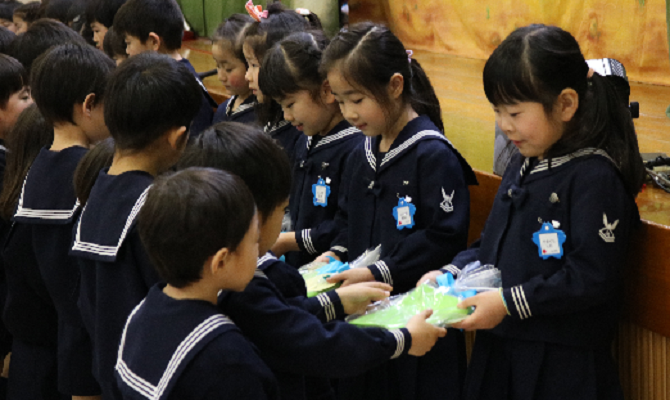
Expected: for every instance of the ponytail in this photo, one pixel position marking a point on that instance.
(423, 98)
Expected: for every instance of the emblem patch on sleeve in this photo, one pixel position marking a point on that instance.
(447, 204)
(607, 233)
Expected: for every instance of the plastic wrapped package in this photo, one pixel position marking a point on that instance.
(442, 298)
(316, 272)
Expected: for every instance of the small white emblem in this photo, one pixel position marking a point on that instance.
(554, 198)
(447, 204)
(607, 233)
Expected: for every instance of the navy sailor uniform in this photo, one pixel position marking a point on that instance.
(203, 119)
(48, 204)
(556, 343)
(5, 336)
(245, 113)
(286, 135)
(423, 167)
(116, 272)
(318, 157)
(295, 344)
(201, 354)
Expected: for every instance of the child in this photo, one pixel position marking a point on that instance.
(7, 15)
(100, 16)
(68, 83)
(114, 46)
(231, 67)
(14, 98)
(408, 191)
(259, 38)
(273, 308)
(28, 312)
(41, 36)
(158, 25)
(25, 15)
(149, 137)
(290, 75)
(548, 333)
(219, 361)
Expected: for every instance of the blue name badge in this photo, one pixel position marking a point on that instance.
(404, 213)
(549, 241)
(321, 191)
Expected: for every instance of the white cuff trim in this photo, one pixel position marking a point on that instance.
(385, 272)
(522, 307)
(400, 342)
(328, 306)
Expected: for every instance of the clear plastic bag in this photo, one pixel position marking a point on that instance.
(472, 279)
(316, 272)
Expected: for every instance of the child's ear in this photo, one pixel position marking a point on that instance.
(219, 261)
(568, 103)
(177, 138)
(154, 41)
(88, 105)
(396, 86)
(326, 93)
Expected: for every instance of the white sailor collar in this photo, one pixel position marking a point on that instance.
(246, 105)
(342, 131)
(399, 147)
(551, 164)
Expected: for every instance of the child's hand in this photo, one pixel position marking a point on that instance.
(489, 311)
(355, 298)
(430, 276)
(324, 257)
(424, 335)
(352, 276)
(285, 242)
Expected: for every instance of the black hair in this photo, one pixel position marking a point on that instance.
(65, 75)
(89, 167)
(7, 9)
(249, 153)
(13, 78)
(536, 63)
(293, 65)
(114, 44)
(281, 22)
(103, 11)
(368, 55)
(140, 17)
(24, 142)
(312, 19)
(39, 37)
(189, 216)
(147, 95)
(6, 39)
(232, 31)
(58, 10)
(29, 12)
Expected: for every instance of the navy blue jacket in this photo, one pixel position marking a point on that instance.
(295, 343)
(318, 157)
(423, 165)
(203, 119)
(201, 354)
(573, 300)
(116, 272)
(286, 135)
(245, 113)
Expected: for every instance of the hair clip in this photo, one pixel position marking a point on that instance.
(410, 53)
(256, 12)
(303, 11)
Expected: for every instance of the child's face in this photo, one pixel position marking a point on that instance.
(529, 127)
(358, 108)
(20, 24)
(99, 32)
(17, 102)
(231, 70)
(8, 24)
(310, 116)
(271, 228)
(243, 260)
(252, 72)
(134, 46)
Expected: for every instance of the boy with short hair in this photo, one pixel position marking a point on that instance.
(158, 26)
(149, 136)
(68, 84)
(100, 17)
(200, 228)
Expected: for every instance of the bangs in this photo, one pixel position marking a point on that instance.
(275, 79)
(508, 79)
(13, 78)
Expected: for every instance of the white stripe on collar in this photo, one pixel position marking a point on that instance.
(338, 136)
(398, 150)
(558, 161)
(141, 385)
(2, 148)
(43, 214)
(269, 128)
(241, 108)
(103, 250)
(262, 260)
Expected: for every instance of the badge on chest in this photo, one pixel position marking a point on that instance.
(549, 240)
(404, 213)
(321, 191)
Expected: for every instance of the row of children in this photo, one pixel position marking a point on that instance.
(358, 117)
